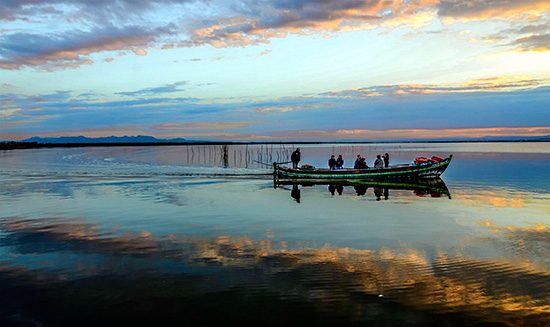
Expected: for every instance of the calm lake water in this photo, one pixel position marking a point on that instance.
(176, 235)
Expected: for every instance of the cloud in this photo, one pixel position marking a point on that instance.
(482, 103)
(260, 21)
(71, 49)
(354, 93)
(80, 9)
(491, 9)
(4, 113)
(136, 26)
(228, 125)
(289, 108)
(140, 52)
(533, 43)
(168, 88)
(478, 85)
(409, 133)
(265, 52)
(212, 130)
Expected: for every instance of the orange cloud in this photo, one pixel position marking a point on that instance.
(498, 83)
(396, 134)
(539, 43)
(289, 108)
(203, 126)
(278, 19)
(471, 10)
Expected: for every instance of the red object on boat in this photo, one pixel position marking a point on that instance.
(420, 160)
(437, 159)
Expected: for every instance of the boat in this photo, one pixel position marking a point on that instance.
(421, 168)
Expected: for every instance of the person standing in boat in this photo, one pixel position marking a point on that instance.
(332, 162)
(295, 158)
(378, 163)
(386, 158)
(340, 162)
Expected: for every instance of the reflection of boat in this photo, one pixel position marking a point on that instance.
(427, 170)
(430, 187)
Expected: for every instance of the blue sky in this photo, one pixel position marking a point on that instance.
(275, 70)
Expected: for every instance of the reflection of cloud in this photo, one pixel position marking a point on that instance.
(532, 241)
(489, 290)
(494, 199)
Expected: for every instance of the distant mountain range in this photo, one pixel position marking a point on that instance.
(108, 139)
(151, 139)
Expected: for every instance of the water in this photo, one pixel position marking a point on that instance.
(167, 235)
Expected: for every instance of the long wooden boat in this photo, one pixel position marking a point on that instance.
(396, 172)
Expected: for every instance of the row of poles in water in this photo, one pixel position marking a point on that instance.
(251, 156)
(238, 156)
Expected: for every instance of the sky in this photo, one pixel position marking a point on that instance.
(277, 70)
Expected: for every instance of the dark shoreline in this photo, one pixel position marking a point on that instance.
(34, 145)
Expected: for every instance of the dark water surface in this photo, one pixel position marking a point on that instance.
(184, 235)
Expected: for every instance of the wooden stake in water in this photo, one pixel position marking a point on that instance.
(225, 157)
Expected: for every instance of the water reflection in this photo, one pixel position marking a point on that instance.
(424, 188)
(83, 265)
(158, 238)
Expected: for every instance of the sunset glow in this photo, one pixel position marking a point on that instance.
(275, 70)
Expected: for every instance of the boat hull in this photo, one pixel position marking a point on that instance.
(402, 172)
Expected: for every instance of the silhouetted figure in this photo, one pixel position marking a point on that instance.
(360, 189)
(339, 162)
(357, 163)
(295, 158)
(386, 158)
(360, 163)
(331, 188)
(339, 189)
(386, 193)
(378, 191)
(295, 193)
(332, 162)
(378, 163)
